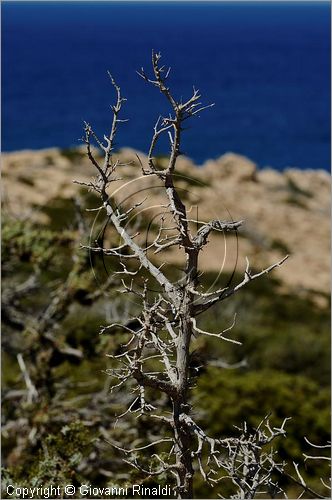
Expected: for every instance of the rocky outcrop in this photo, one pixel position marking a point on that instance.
(284, 212)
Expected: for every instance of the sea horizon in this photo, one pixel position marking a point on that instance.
(265, 66)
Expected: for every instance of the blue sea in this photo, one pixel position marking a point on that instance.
(265, 65)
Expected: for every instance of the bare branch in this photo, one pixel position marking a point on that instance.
(215, 225)
(31, 389)
(231, 290)
(217, 335)
(157, 354)
(140, 448)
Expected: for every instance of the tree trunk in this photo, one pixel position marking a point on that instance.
(180, 405)
(183, 453)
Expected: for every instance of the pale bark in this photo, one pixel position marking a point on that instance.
(168, 319)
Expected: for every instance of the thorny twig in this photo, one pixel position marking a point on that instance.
(156, 355)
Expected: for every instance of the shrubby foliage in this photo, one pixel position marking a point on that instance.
(62, 433)
(60, 412)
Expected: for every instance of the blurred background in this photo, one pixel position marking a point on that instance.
(266, 66)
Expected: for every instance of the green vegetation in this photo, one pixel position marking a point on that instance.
(61, 436)
(297, 190)
(297, 196)
(74, 155)
(280, 246)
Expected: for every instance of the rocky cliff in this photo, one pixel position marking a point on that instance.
(284, 212)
